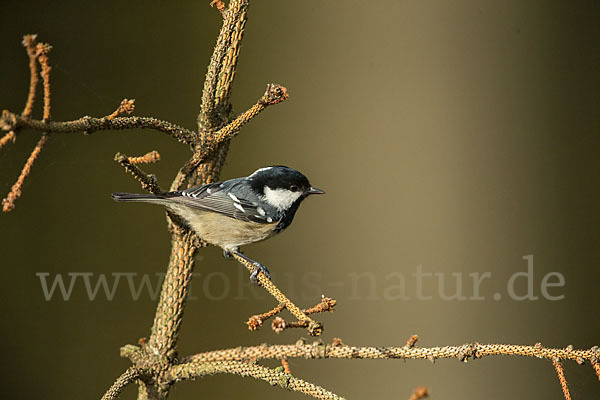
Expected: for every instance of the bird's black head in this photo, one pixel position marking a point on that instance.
(281, 186)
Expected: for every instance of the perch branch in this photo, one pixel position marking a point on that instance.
(275, 377)
(122, 381)
(314, 328)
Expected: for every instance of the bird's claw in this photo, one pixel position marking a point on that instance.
(227, 254)
(259, 268)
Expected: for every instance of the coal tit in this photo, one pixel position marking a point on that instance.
(239, 211)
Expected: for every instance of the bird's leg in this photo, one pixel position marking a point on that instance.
(258, 267)
(227, 254)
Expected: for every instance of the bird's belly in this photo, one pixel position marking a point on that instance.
(228, 233)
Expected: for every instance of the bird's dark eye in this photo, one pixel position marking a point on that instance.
(294, 188)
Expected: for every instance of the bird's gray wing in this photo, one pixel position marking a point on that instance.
(216, 197)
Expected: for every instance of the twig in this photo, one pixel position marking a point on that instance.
(219, 5)
(274, 94)
(9, 137)
(8, 203)
(30, 47)
(314, 328)
(561, 377)
(412, 341)
(126, 107)
(274, 377)
(256, 321)
(286, 366)
(148, 181)
(42, 50)
(122, 381)
(317, 350)
(148, 158)
(419, 393)
(326, 304)
(88, 125)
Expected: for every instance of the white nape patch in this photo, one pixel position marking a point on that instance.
(261, 211)
(239, 207)
(233, 197)
(280, 198)
(259, 170)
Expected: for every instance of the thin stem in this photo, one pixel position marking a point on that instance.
(314, 327)
(561, 377)
(30, 47)
(122, 381)
(8, 203)
(148, 181)
(275, 377)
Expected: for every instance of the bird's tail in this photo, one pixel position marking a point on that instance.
(147, 198)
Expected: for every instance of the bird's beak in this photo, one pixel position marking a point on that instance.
(315, 191)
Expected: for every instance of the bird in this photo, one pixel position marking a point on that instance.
(239, 211)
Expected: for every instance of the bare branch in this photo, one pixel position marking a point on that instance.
(126, 107)
(88, 125)
(314, 328)
(221, 69)
(42, 50)
(209, 148)
(275, 377)
(148, 158)
(148, 181)
(30, 47)
(8, 203)
(122, 381)
(334, 350)
(273, 95)
(256, 321)
(561, 377)
(9, 137)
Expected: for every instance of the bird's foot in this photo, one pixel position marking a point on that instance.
(227, 254)
(259, 268)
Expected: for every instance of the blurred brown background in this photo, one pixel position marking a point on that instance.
(460, 136)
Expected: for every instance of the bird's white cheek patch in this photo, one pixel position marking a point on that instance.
(281, 199)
